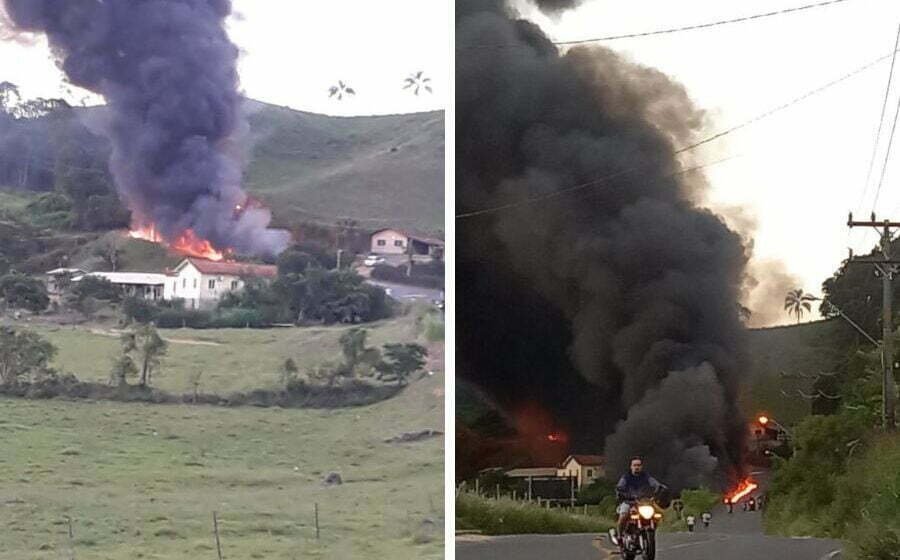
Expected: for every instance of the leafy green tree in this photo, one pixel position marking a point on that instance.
(147, 348)
(24, 292)
(796, 301)
(94, 287)
(353, 344)
(123, 368)
(9, 97)
(400, 362)
(23, 353)
(288, 372)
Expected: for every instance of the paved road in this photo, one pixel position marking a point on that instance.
(671, 546)
(404, 292)
(735, 536)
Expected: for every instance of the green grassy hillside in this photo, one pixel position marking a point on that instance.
(382, 171)
(795, 350)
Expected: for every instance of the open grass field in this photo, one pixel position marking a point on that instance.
(142, 481)
(231, 359)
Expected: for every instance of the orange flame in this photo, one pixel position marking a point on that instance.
(743, 489)
(188, 243)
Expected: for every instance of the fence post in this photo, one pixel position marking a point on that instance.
(317, 520)
(216, 531)
(498, 492)
(71, 538)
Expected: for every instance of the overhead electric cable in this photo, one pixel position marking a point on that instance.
(669, 30)
(687, 148)
(884, 104)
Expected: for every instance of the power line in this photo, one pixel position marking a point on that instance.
(887, 92)
(700, 25)
(582, 186)
(687, 148)
(672, 29)
(886, 156)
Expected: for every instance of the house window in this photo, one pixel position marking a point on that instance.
(195, 282)
(234, 284)
(184, 282)
(590, 472)
(212, 284)
(398, 243)
(381, 242)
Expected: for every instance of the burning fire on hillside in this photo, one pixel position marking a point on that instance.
(188, 243)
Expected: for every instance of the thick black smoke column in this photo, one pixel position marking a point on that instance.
(616, 305)
(168, 73)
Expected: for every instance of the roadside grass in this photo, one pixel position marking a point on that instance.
(142, 481)
(231, 360)
(508, 517)
(695, 503)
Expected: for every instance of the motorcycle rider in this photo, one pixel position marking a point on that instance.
(634, 485)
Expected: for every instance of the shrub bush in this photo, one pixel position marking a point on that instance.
(398, 275)
(506, 517)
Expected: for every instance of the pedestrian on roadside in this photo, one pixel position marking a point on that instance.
(690, 523)
(706, 517)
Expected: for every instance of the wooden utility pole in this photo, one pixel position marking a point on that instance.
(886, 267)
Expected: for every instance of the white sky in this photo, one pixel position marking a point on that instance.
(292, 52)
(802, 170)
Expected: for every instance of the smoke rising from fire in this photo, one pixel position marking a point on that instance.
(614, 306)
(168, 73)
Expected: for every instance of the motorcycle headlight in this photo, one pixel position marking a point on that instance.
(646, 511)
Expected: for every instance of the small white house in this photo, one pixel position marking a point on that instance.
(202, 283)
(584, 468)
(58, 280)
(133, 284)
(401, 242)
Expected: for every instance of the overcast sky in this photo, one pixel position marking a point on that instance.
(802, 170)
(292, 52)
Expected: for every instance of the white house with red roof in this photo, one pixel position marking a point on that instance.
(584, 468)
(202, 283)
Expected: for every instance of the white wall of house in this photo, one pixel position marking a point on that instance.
(198, 290)
(389, 242)
(585, 474)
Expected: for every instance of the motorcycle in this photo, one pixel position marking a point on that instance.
(639, 537)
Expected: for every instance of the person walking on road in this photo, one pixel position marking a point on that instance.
(690, 523)
(706, 517)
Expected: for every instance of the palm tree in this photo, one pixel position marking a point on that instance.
(418, 81)
(796, 301)
(340, 90)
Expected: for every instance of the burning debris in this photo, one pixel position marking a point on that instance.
(744, 489)
(595, 285)
(168, 73)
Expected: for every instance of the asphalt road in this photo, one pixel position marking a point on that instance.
(404, 292)
(735, 536)
(702, 545)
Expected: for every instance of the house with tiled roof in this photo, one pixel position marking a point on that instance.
(393, 241)
(584, 468)
(202, 283)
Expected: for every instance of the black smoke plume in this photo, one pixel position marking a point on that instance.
(168, 73)
(615, 304)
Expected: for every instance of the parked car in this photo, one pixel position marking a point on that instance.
(373, 260)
